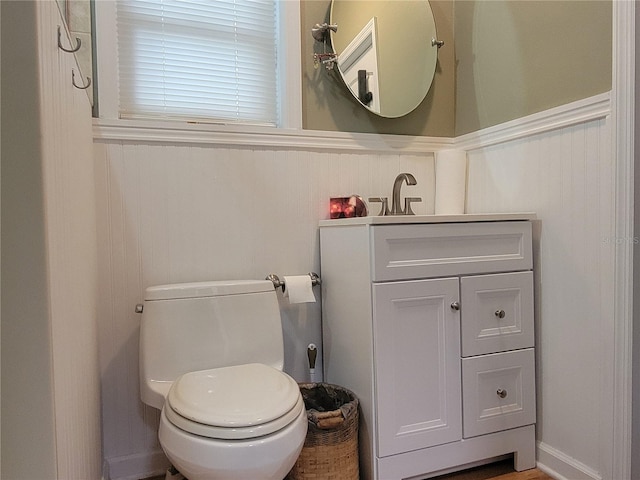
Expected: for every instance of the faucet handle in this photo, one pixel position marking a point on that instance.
(407, 204)
(384, 209)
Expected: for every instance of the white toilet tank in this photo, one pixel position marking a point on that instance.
(197, 326)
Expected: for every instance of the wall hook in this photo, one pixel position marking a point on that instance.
(72, 50)
(81, 87)
(320, 31)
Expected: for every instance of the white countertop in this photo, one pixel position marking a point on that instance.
(409, 219)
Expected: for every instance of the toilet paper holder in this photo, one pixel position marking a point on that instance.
(315, 280)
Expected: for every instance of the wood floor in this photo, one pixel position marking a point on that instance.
(496, 471)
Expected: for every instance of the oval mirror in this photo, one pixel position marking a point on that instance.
(387, 52)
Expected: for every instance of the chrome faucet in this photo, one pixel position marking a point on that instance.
(395, 196)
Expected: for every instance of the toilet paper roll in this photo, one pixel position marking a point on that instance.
(298, 289)
(451, 182)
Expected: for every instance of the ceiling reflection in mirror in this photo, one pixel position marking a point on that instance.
(387, 52)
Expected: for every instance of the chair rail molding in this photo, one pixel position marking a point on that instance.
(574, 113)
(177, 133)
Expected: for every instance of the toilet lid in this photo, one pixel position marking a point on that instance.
(238, 397)
(238, 433)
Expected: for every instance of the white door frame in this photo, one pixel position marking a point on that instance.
(623, 86)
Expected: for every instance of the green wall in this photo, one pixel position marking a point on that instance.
(516, 58)
(502, 59)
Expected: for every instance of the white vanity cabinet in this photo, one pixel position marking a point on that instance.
(430, 323)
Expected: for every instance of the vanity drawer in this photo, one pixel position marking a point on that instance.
(420, 251)
(497, 313)
(498, 391)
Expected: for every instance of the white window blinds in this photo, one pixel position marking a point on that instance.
(200, 60)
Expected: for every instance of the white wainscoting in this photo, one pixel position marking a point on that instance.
(208, 211)
(566, 174)
(192, 206)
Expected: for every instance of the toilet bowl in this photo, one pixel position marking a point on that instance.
(245, 422)
(211, 359)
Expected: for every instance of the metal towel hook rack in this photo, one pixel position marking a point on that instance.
(81, 87)
(315, 280)
(71, 50)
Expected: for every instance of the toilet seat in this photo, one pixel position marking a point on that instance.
(238, 402)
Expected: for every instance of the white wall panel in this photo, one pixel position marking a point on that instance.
(70, 218)
(174, 213)
(566, 176)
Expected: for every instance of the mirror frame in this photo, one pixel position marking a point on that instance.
(391, 56)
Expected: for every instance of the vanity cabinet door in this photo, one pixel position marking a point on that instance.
(416, 330)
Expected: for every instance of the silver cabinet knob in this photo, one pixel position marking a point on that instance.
(501, 393)
(455, 306)
(139, 308)
(500, 313)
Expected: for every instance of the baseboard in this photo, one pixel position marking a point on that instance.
(135, 467)
(561, 466)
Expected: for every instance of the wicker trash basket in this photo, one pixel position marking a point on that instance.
(330, 450)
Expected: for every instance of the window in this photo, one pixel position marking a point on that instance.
(219, 61)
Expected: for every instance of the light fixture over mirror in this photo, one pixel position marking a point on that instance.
(386, 52)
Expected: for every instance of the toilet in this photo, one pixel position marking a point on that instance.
(211, 359)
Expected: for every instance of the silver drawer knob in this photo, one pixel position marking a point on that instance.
(500, 313)
(501, 393)
(455, 306)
